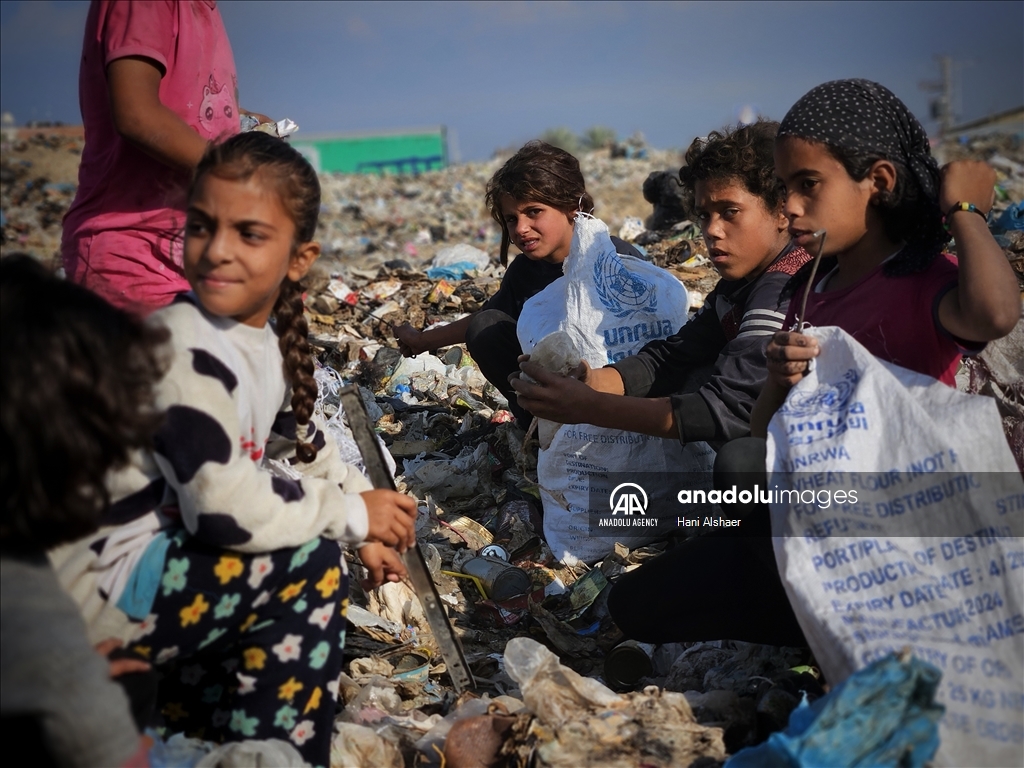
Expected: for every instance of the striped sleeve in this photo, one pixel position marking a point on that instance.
(760, 322)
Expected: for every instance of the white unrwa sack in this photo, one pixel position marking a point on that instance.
(906, 533)
(610, 306)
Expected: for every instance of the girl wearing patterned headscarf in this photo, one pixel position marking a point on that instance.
(856, 163)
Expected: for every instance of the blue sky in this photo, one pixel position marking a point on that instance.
(499, 74)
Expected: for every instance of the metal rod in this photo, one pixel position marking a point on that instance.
(820, 235)
(415, 564)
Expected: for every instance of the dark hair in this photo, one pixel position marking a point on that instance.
(908, 215)
(76, 397)
(237, 159)
(744, 153)
(542, 173)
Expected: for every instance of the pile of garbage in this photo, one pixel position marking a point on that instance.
(556, 682)
(526, 622)
(365, 221)
(38, 179)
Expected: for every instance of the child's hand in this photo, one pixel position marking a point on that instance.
(392, 518)
(789, 354)
(554, 397)
(382, 564)
(408, 340)
(967, 181)
(120, 665)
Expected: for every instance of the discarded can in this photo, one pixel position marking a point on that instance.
(413, 667)
(627, 662)
(495, 550)
(500, 579)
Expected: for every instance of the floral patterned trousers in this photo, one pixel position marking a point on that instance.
(250, 645)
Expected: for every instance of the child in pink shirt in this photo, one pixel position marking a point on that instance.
(157, 83)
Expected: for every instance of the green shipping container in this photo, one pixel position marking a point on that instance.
(412, 151)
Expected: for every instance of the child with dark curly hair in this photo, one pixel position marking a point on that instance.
(729, 185)
(701, 384)
(534, 198)
(76, 398)
(235, 573)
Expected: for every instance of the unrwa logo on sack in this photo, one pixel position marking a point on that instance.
(824, 412)
(621, 292)
(628, 503)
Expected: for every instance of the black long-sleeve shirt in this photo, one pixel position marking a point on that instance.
(731, 331)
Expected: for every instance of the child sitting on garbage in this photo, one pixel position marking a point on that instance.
(888, 211)
(857, 163)
(534, 198)
(667, 390)
(729, 184)
(75, 399)
(235, 572)
(156, 83)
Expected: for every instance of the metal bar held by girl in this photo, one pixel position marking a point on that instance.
(415, 564)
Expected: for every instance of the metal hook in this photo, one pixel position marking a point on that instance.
(820, 236)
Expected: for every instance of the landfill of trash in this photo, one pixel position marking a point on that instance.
(556, 685)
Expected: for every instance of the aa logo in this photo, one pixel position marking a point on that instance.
(628, 498)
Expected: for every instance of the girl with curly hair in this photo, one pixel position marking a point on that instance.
(77, 378)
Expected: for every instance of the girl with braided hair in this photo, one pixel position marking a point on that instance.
(234, 575)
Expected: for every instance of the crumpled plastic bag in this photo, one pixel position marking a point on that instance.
(884, 715)
(358, 746)
(462, 253)
(180, 751)
(466, 475)
(557, 353)
(579, 721)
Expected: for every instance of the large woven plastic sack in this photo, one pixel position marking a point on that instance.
(928, 553)
(609, 305)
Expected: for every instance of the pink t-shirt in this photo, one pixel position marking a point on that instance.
(122, 232)
(895, 318)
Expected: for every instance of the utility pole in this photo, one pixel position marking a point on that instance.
(941, 105)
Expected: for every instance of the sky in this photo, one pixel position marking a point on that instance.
(499, 74)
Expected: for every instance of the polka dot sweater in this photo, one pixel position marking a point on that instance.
(227, 408)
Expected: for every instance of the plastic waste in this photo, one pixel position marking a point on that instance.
(466, 475)
(1011, 218)
(359, 746)
(609, 305)
(456, 271)
(272, 753)
(884, 715)
(582, 722)
(461, 254)
(180, 751)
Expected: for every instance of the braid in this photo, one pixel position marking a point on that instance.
(292, 331)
